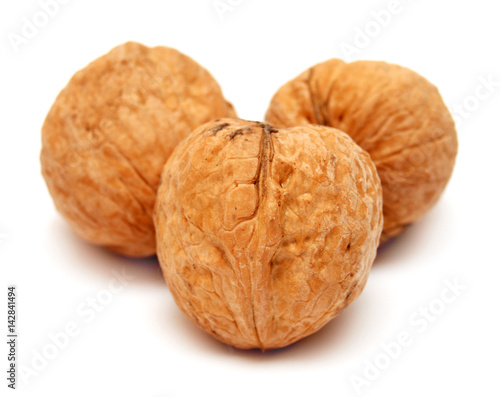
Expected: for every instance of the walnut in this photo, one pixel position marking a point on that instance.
(109, 134)
(264, 234)
(394, 114)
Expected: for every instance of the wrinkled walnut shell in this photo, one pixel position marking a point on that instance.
(264, 235)
(109, 133)
(394, 114)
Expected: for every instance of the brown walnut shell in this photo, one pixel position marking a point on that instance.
(264, 235)
(394, 114)
(109, 133)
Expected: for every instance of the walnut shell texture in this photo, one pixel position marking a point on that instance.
(264, 235)
(111, 130)
(394, 114)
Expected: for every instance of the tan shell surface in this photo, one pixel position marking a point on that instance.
(265, 235)
(109, 133)
(394, 114)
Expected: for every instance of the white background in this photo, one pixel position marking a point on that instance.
(140, 344)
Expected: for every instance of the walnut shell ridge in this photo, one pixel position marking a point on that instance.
(394, 114)
(264, 234)
(109, 133)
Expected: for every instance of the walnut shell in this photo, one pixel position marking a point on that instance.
(264, 235)
(109, 133)
(394, 114)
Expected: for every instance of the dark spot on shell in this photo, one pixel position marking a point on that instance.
(217, 128)
(235, 133)
(269, 129)
(240, 131)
